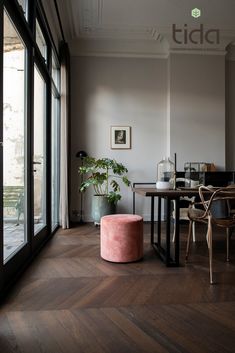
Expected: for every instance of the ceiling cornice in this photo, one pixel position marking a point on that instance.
(94, 28)
(120, 48)
(198, 51)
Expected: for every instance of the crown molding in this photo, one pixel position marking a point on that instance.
(119, 48)
(91, 33)
(198, 51)
(141, 42)
(123, 55)
(125, 32)
(136, 49)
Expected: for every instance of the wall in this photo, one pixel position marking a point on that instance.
(118, 91)
(197, 108)
(174, 105)
(230, 114)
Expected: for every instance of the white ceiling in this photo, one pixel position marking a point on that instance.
(140, 27)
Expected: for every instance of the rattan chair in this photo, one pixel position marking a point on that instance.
(215, 209)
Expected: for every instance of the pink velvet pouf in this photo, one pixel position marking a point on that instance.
(121, 237)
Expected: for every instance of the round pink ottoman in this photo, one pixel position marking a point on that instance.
(121, 237)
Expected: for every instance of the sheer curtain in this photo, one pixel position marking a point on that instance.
(64, 137)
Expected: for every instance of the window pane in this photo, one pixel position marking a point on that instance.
(55, 73)
(24, 5)
(13, 140)
(39, 158)
(40, 40)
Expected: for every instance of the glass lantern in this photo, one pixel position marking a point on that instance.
(165, 174)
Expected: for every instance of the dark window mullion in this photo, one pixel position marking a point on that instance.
(30, 127)
(1, 147)
(31, 16)
(48, 148)
(27, 32)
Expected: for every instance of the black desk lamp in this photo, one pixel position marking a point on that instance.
(81, 155)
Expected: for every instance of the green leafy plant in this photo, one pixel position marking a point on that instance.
(103, 176)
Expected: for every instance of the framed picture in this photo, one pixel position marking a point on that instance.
(120, 137)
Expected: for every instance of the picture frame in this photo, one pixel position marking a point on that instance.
(120, 137)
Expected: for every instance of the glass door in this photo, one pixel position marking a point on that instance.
(14, 141)
(39, 152)
(29, 181)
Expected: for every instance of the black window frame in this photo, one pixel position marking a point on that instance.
(27, 31)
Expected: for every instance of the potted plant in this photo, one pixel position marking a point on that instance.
(103, 175)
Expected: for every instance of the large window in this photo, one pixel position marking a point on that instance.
(24, 6)
(14, 90)
(40, 40)
(55, 73)
(39, 151)
(29, 131)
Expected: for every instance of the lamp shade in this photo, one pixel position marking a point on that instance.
(81, 154)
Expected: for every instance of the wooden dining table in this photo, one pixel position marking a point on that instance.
(168, 255)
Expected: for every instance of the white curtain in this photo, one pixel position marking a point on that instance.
(64, 141)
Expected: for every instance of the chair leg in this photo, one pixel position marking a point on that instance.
(209, 243)
(193, 229)
(189, 239)
(173, 238)
(228, 235)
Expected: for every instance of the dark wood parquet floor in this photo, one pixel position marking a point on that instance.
(70, 300)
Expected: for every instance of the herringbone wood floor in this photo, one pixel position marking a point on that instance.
(70, 300)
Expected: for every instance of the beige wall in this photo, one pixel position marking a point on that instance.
(230, 114)
(197, 108)
(112, 91)
(173, 105)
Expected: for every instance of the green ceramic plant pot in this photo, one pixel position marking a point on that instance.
(101, 207)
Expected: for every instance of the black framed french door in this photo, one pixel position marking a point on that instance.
(25, 134)
(40, 141)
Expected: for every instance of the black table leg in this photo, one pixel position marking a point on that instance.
(168, 231)
(159, 221)
(177, 230)
(165, 252)
(152, 220)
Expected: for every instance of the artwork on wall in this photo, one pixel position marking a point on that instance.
(120, 137)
